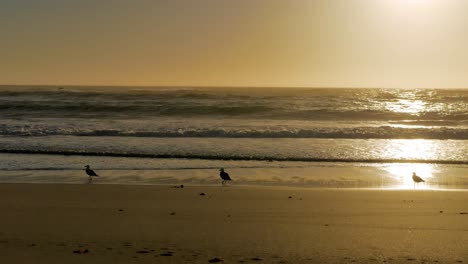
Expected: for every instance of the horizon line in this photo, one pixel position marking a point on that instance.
(218, 86)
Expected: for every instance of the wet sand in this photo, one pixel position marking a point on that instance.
(60, 223)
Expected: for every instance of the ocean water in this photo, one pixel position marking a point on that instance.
(274, 136)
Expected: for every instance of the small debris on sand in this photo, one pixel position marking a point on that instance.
(289, 197)
(142, 251)
(256, 259)
(167, 254)
(79, 251)
(172, 213)
(215, 260)
(202, 194)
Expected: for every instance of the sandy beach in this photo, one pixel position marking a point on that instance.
(52, 223)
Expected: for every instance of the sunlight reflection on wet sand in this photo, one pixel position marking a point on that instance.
(402, 173)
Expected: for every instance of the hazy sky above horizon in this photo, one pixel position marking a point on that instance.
(312, 43)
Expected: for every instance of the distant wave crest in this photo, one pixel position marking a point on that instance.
(381, 132)
(287, 104)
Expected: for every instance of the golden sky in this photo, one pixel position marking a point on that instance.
(311, 43)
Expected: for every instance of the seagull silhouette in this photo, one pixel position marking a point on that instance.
(416, 179)
(224, 176)
(90, 173)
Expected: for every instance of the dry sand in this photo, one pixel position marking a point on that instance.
(46, 223)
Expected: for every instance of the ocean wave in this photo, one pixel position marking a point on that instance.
(225, 157)
(386, 132)
(287, 104)
(250, 109)
(381, 132)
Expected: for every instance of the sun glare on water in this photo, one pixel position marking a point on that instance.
(407, 106)
(413, 150)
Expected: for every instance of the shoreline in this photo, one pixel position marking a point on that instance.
(245, 186)
(178, 172)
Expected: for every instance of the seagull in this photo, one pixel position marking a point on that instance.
(224, 175)
(417, 179)
(90, 173)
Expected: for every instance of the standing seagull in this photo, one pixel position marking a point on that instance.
(224, 175)
(90, 173)
(416, 179)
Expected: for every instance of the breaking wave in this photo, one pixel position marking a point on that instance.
(381, 132)
(225, 157)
